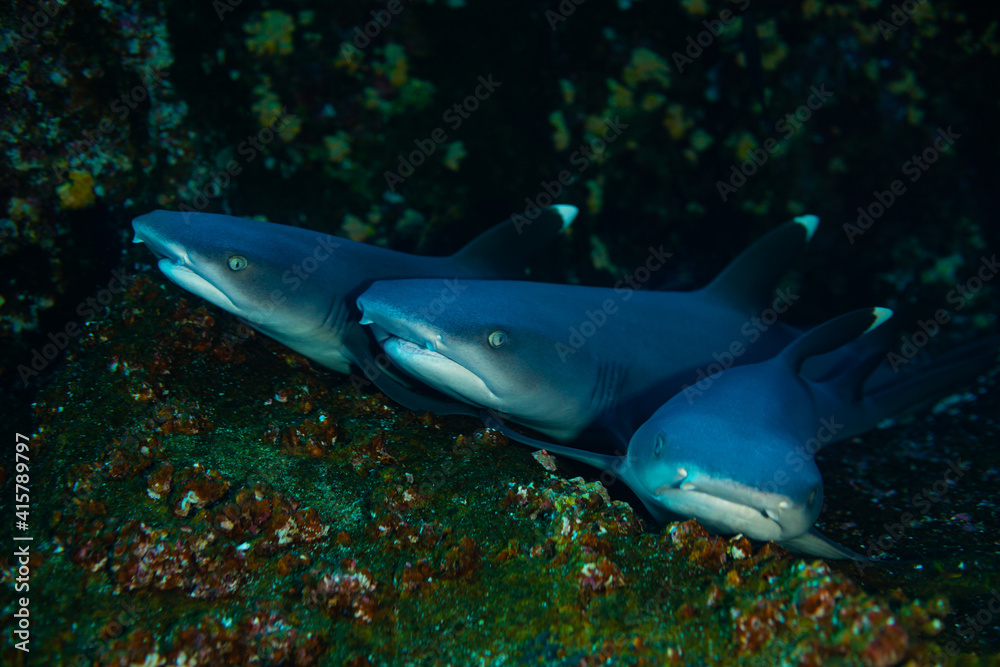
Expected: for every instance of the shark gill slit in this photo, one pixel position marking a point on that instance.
(336, 318)
(610, 376)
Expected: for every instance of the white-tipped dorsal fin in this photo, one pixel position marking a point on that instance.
(810, 222)
(833, 334)
(568, 214)
(748, 283)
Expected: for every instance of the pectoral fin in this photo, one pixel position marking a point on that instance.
(815, 544)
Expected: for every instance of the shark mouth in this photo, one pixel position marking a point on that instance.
(194, 283)
(721, 515)
(731, 507)
(430, 366)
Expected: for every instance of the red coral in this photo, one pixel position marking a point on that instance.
(600, 576)
(347, 592)
(307, 438)
(146, 558)
(756, 627)
(200, 488)
(160, 481)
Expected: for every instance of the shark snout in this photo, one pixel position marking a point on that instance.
(152, 229)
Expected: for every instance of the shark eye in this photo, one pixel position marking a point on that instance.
(498, 338)
(238, 262)
(658, 444)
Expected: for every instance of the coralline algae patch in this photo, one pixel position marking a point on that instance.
(277, 516)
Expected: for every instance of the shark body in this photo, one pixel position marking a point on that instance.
(299, 287)
(584, 363)
(740, 458)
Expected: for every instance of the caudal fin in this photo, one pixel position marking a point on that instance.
(911, 389)
(504, 250)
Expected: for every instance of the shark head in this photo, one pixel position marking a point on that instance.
(254, 270)
(478, 346)
(732, 480)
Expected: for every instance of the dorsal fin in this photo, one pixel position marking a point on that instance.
(504, 249)
(750, 280)
(832, 334)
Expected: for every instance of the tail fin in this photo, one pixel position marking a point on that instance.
(869, 392)
(913, 389)
(749, 281)
(503, 250)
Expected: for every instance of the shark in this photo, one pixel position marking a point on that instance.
(741, 457)
(299, 286)
(579, 363)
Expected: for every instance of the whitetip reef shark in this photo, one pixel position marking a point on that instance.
(508, 347)
(299, 286)
(740, 458)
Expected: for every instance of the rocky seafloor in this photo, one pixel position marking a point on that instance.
(201, 495)
(204, 496)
